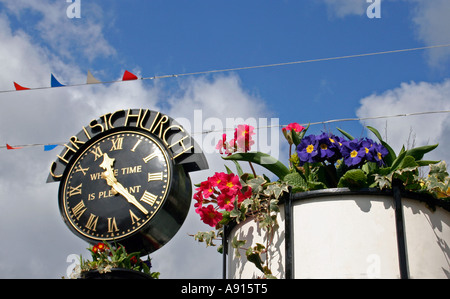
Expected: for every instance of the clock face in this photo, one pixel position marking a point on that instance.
(116, 185)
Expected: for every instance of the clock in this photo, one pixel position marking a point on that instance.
(121, 187)
(125, 178)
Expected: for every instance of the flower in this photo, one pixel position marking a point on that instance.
(320, 162)
(352, 152)
(209, 215)
(106, 257)
(287, 131)
(308, 149)
(243, 137)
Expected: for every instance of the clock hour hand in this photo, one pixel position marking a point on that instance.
(117, 187)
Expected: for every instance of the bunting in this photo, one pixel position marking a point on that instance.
(128, 76)
(18, 87)
(54, 82)
(9, 147)
(91, 79)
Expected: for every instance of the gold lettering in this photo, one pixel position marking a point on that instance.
(52, 168)
(64, 156)
(182, 145)
(97, 151)
(158, 176)
(110, 121)
(136, 145)
(164, 119)
(129, 115)
(78, 210)
(149, 198)
(112, 225)
(74, 141)
(134, 218)
(167, 130)
(92, 222)
(149, 157)
(116, 144)
(81, 169)
(74, 190)
(94, 124)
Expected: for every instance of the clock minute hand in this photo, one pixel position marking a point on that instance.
(117, 187)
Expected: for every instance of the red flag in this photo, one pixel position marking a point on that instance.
(129, 76)
(18, 87)
(11, 147)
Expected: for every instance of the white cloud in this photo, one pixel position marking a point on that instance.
(412, 98)
(432, 23)
(63, 35)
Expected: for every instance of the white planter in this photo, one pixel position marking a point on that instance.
(337, 233)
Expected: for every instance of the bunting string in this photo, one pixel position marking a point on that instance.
(128, 76)
(49, 147)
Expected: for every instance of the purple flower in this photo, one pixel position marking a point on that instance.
(308, 149)
(378, 153)
(329, 147)
(352, 152)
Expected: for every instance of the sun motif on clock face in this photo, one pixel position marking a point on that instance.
(116, 185)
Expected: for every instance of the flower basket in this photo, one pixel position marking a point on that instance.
(344, 207)
(338, 233)
(115, 273)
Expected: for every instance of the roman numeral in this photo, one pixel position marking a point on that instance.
(158, 176)
(112, 225)
(116, 144)
(92, 222)
(97, 151)
(78, 210)
(149, 157)
(81, 169)
(149, 198)
(136, 145)
(134, 218)
(74, 190)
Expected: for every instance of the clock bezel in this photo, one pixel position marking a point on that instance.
(152, 234)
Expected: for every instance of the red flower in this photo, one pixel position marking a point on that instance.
(209, 215)
(133, 260)
(101, 247)
(287, 131)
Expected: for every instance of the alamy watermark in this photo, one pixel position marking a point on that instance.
(74, 9)
(374, 9)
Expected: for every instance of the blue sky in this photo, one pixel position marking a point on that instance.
(159, 37)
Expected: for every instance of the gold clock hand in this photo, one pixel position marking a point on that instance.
(117, 187)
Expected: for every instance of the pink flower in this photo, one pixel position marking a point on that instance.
(206, 188)
(287, 131)
(244, 195)
(225, 201)
(243, 137)
(209, 215)
(229, 183)
(199, 198)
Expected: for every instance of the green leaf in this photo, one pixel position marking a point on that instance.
(420, 151)
(353, 179)
(391, 156)
(350, 137)
(265, 160)
(297, 138)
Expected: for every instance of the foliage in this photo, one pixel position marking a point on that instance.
(105, 257)
(319, 162)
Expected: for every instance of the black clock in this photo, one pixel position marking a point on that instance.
(123, 186)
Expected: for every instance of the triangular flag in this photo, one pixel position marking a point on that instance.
(18, 87)
(12, 147)
(49, 147)
(129, 76)
(91, 79)
(54, 82)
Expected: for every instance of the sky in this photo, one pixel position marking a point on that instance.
(158, 38)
